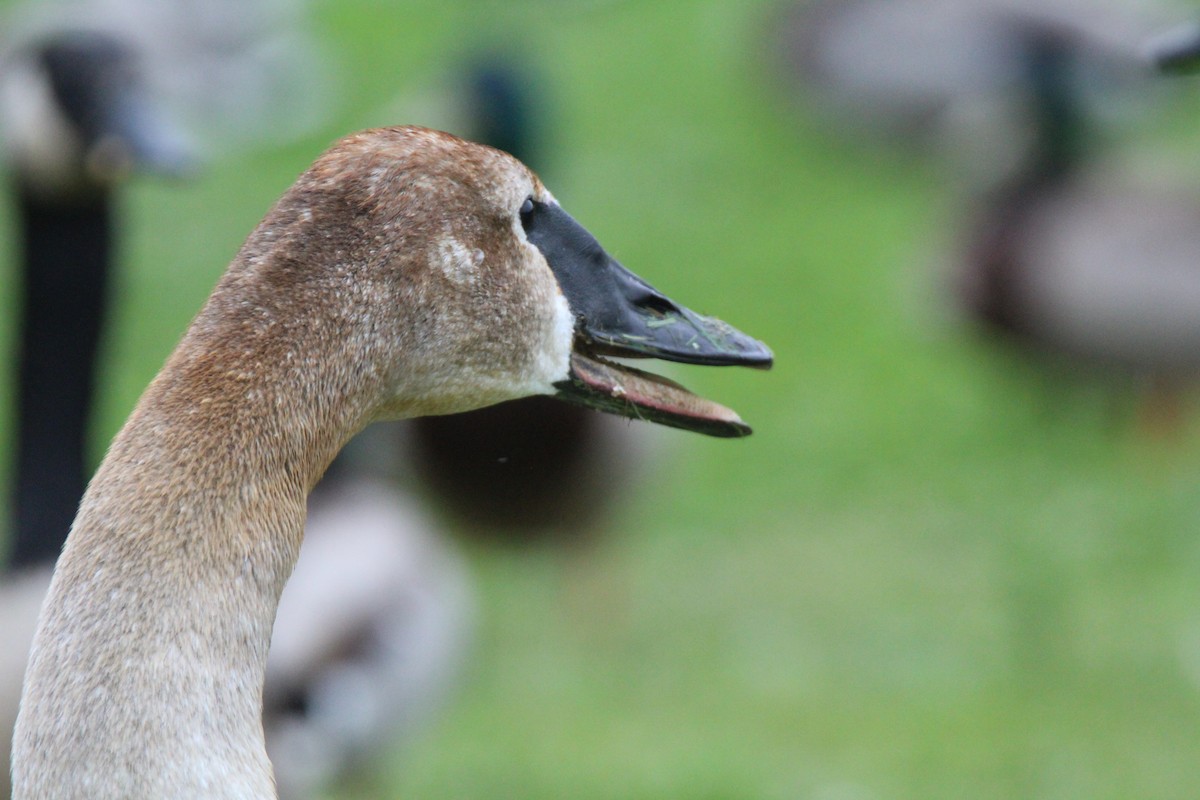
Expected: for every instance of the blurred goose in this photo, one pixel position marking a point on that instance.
(1068, 259)
(91, 90)
(932, 73)
(372, 629)
(405, 273)
(78, 119)
(235, 74)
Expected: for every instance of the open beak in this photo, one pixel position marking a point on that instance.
(619, 314)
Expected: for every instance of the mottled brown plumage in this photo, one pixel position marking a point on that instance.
(344, 305)
(399, 276)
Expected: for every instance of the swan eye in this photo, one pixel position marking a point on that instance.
(526, 213)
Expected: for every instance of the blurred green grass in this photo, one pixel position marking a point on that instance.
(930, 572)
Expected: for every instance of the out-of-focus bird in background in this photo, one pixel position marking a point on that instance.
(372, 632)
(79, 119)
(928, 73)
(1067, 254)
(1071, 258)
(380, 611)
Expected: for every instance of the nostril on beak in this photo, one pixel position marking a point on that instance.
(656, 302)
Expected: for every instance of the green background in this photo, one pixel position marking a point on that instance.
(936, 570)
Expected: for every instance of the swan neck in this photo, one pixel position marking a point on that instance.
(169, 583)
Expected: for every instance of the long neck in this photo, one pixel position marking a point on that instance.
(145, 678)
(67, 247)
(1059, 131)
(1058, 120)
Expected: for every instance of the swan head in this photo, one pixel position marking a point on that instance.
(460, 282)
(78, 115)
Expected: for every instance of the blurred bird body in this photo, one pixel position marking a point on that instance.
(937, 74)
(1081, 261)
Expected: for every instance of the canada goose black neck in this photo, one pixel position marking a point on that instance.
(78, 120)
(66, 262)
(1044, 59)
(1048, 65)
